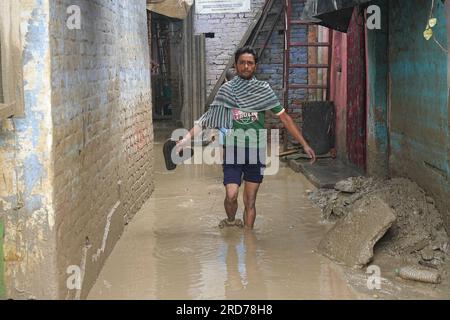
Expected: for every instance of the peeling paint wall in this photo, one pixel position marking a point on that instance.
(103, 132)
(26, 186)
(419, 116)
(348, 91)
(338, 90)
(446, 204)
(356, 91)
(377, 103)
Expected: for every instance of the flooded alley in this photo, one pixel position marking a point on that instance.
(174, 249)
(350, 98)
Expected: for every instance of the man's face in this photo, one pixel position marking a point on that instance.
(246, 66)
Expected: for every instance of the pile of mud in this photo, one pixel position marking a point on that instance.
(418, 233)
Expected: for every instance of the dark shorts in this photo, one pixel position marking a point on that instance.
(248, 166)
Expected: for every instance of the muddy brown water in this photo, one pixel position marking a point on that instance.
(173, 248)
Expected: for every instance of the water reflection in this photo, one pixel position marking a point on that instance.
(173, 248)
(244, 277)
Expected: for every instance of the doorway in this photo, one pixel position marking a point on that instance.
(166, 61)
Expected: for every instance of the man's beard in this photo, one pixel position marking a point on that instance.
(247, 77)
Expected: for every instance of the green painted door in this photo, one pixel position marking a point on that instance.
(2, 283)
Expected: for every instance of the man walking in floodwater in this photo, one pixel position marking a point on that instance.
(239, 107)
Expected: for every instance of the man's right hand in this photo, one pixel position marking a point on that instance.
(333, 153)
(180, 145)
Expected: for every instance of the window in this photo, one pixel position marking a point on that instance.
(11, 85)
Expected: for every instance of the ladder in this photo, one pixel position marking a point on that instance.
(251, 35)
(267, 12)
(161, 53)
(287, 50)
(288, 87)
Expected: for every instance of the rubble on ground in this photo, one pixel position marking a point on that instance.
(418, 233)
(353, 237)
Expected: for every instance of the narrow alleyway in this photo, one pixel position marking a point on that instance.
(173, 248)
(89, 90)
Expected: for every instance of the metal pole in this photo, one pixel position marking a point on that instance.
(287, 45)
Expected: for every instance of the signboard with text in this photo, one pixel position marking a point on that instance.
(222, 6)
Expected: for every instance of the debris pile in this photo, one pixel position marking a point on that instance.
(417, 233)
(352, 238)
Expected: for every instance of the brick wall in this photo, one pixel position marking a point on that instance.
(228, 30)
(270, 65)
(103, 136)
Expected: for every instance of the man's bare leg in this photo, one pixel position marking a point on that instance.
(231, 203)
(250, 191)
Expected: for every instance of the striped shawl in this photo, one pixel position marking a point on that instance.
(246, 95)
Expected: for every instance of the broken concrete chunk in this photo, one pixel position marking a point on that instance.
(427, 254)
(323, 197)
(418, 246)
(347, 185)
(429, 200)
(327, 211)
(444, 247)
(352, 238)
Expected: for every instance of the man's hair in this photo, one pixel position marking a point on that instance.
(229, 74)
(246, 49)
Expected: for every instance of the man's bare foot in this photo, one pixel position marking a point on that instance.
(227, 223)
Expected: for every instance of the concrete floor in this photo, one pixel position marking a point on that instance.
(173, 248)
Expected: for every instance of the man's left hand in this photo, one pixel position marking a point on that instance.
(311, 154)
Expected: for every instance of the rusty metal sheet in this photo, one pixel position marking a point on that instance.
(172, 8)
(356, 92)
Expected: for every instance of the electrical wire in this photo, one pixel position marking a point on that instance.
(434, 37)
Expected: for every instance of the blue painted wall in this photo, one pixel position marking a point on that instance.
(26, 191)
(419, 98)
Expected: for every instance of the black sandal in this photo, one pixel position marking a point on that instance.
(167, 151)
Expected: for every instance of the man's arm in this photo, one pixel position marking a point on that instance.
(290, 125)
(187, 138)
